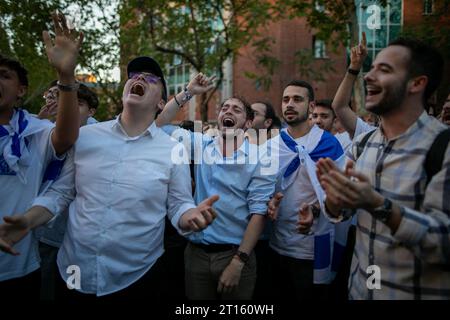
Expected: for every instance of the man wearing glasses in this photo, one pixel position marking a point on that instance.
(120, 183)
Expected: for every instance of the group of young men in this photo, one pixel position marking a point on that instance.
(274, 206)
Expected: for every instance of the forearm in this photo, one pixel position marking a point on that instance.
(68, 117)
(170, 110)
(341, 102)
(252, 233)
(37, 216)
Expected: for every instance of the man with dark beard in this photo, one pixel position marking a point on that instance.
(302, 238)
(403, 228)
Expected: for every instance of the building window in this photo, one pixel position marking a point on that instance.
(179, 75)
(428, 6)
(390, 27)
(319, 48)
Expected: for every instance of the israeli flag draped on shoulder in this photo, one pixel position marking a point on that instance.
(15, 157)
(329, 241)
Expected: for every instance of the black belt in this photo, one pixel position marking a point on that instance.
(215, 247)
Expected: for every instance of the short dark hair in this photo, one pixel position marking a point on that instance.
(88, 95)
(248, 109)
(17, 67)
(326, 103)
(187, 125)
(425, 60)
(270, 114)
(303, 84)
(83, 93)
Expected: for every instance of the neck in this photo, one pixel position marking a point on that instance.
(230, 144)
(299, 130)
(6, 115)
(135, 122)
(400, 119)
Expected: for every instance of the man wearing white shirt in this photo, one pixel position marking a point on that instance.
(120, 183)
(302, 239)
(28, 146)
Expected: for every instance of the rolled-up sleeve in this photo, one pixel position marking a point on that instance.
(261, 187)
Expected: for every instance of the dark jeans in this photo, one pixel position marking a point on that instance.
(293, 279)
(23, 288)
(263, 286)
(49, 271)
(339, 287)
(149, 288)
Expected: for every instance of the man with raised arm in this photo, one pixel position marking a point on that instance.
(29, 147)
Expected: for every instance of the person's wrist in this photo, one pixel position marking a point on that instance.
(66, 78)
(353, 71)
(237, 262)
(377, 201)
(331, 209)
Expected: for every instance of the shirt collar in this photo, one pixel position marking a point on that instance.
(243, 149)
(417, 125)
(152, 130)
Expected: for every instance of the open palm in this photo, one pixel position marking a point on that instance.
(63, 53)
(12, 231)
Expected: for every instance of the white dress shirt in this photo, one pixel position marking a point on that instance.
(17, 194)
(122, 188)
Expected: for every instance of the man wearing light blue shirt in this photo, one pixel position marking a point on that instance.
(219, 261)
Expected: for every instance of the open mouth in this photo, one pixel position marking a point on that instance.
(228, 123)
(372, 91)
(137, 89)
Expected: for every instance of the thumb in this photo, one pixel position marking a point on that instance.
(305, 212)
(349, 166)
(277, 197)
(361, 177)
(16, 220)
(210, 201)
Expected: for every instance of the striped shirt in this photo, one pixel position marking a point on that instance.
(415, 261)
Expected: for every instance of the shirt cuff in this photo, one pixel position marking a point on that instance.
(49, 204)
(258, 208)
(176, 218)
(413, 227)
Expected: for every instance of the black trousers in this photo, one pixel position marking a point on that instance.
(23, 288)
(293, 280)
(149, 288)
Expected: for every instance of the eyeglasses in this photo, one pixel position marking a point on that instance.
(51, 94)
(148, 77)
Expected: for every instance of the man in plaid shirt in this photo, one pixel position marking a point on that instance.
(402, 248)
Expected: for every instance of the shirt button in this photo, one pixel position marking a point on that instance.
(371, 257)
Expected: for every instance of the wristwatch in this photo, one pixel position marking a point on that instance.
(353, 71)
(383, 212)
(242, 256)
(187, 95)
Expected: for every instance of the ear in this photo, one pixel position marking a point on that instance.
(161, 104)
(22, 91)
(418, 84)
(268, 123)
(312, 105)
(248, 124)
(92, 112)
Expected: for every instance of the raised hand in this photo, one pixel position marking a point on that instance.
(14, 229)
(358, 54)
(274, 205)
(63, 53)
(200, 84)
